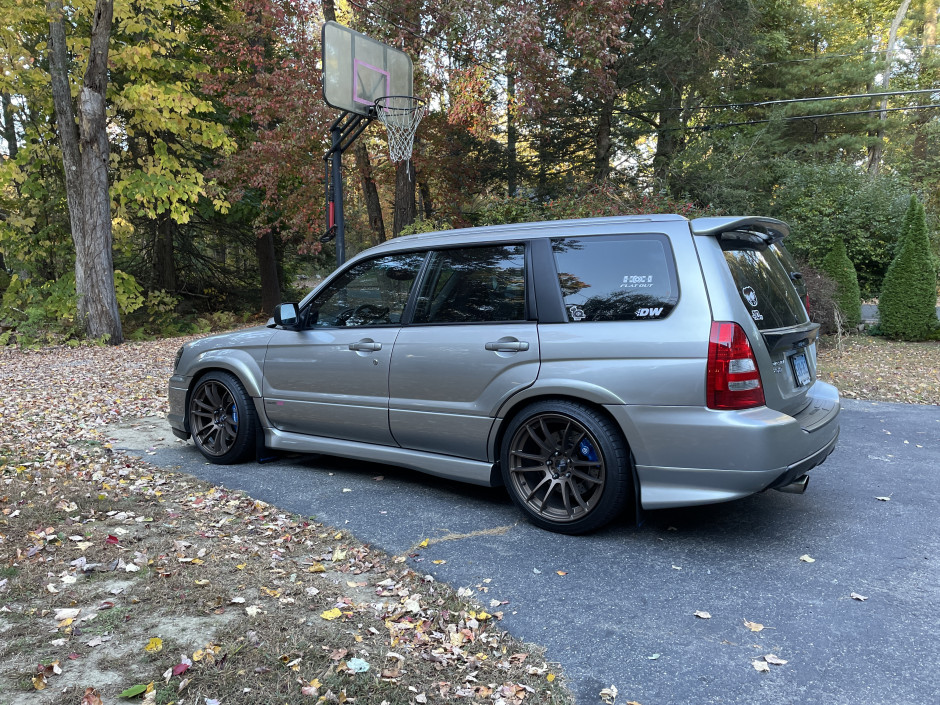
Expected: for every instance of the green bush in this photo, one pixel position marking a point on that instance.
(848, 297)
(907, 307)
(825, 201)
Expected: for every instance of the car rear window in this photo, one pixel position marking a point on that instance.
(764, 286)
(616, 277)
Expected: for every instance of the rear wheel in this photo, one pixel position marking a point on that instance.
(566, 466)
(222, 419)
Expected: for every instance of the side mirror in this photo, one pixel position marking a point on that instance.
(286, 315)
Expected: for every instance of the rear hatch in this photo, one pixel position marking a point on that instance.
(764, 277)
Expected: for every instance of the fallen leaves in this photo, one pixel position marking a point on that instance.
(856, 596)
(753, 626)
(701, 614)
(879, 369)
(123, 545)
(807, 558)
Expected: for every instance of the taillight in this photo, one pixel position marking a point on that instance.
(807, 303)
(733, 380)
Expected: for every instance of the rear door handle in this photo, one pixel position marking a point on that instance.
(507, 346)
(365, 346)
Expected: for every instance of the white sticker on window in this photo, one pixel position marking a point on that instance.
(750, 296)
(649, 312)
(576, 313)
(637, 281)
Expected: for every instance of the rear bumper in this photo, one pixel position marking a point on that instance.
(687, 456)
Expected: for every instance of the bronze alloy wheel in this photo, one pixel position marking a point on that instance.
(556, 467)
(566, 465)
(222, 418)
(214, 418)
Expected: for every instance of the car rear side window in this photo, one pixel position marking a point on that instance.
(473, 285)
(616, 278)
(765, 287)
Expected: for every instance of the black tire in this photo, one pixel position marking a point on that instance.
(566, 466)
(222, 419)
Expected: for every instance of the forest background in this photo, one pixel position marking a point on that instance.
(212, 129)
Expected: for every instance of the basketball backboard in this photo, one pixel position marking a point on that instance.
(357, 70)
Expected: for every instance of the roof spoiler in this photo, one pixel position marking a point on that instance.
(754, 229)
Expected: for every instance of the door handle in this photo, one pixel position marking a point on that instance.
(365, 346)
(507, 346)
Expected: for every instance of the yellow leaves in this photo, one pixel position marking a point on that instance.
(550, 677)
(753, 626)
(423, 544)
(241, 566)
(316, 568)
(331, 614)
(270, 592)
(154, 646)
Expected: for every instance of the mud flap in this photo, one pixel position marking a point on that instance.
(263, 454)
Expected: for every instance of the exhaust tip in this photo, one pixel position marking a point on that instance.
(798, 486)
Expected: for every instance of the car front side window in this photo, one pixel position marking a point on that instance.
(474, 285)
(370, 293)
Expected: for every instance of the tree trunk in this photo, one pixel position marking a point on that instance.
(267, 266)
(405, 207)
(668, 135)
(85, 153)
(370, 193)
(68, 132)
(919, 151)
(876, 150)
(427, 205)
(602, 142)
(164, 264)
(9, 127)
(512, 135)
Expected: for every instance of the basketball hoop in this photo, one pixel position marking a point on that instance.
(401, 115)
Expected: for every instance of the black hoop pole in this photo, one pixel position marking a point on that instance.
(343, 132)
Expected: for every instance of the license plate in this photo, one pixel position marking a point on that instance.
(800, 369)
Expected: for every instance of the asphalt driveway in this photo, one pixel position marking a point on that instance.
(623, 613)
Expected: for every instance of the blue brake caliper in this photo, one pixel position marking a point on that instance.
(235, 415)
(587, 450)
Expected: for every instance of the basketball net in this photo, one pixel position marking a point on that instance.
(401, 115)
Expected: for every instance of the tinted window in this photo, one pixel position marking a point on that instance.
(474, 284)
(370, 293)
(764, 285)
(616, 278)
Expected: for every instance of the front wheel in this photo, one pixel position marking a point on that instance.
(222, 419)
(566, 466)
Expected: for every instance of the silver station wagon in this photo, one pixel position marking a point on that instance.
(590, 366)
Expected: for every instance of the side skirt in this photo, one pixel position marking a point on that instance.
(475, 472)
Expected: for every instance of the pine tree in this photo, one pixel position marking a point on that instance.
(907, 306)
(848, 297)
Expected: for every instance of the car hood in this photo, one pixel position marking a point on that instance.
(246, 337)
